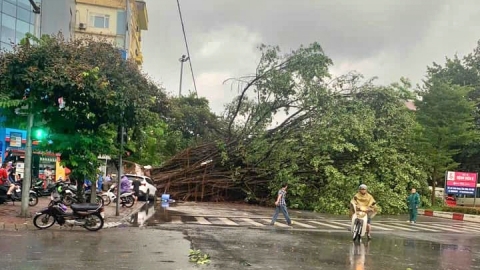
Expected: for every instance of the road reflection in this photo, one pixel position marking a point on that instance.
(357, 255)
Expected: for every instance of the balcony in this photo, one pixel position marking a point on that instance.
(142, 15)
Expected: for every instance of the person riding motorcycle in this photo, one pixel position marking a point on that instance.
(364, 199)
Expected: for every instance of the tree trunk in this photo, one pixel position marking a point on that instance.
(80, 190)
(93, 198)
(434, 184)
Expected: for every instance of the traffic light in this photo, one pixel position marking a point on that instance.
(39, 134)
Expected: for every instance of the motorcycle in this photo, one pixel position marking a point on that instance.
(37, 187)
(17, 192)
(126, 199)
(359, 220)
(69, 196)
(87, 215)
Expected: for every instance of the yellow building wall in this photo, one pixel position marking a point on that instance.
(86, 8)
(84, 13)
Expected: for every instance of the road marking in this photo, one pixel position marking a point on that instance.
(228, 221)
(470, 226)
(325, 224)
(459, 227)
(252, 222)
(303, 225)
(203, 221)
(276, 223)
(412, 226)
(422, 226)
(395, 227)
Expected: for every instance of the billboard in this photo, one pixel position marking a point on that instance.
(461, 183)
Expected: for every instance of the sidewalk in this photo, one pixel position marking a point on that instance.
(9, 219)
(449, 215)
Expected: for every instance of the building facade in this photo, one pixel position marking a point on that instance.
(57, 16)
(114, 21)
(16, 19)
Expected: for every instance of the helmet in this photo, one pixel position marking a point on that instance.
(362, 186)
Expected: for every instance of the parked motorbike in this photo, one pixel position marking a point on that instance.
(17, 192)
(87, 215)
(68, 195)
(126, 199)
(40, 191)
(359, 221)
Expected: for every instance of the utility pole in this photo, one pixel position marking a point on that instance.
(27, 179)
(122, 128)
(182, 60)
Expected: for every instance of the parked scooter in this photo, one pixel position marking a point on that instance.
(87, 215)
(359, 221)
(40, 191)
(17, 196)
(69, 195)
(126, 199)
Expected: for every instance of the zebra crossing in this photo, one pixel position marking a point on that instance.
(327, 224)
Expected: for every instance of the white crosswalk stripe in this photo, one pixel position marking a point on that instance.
(326, 224)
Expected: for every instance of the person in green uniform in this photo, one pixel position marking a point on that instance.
(413, 201)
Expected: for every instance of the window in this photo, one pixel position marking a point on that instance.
(23, 14)
(25, 4)
(22, 29)
(100, 21)
(9, 9)
(8, 29)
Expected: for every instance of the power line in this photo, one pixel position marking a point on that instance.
(186, 45)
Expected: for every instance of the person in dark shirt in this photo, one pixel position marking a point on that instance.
(136, 188)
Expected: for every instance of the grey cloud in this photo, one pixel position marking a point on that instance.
(388, 38)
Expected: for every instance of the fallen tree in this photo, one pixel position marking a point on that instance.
(329, 135)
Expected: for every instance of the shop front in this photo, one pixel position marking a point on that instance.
(12, 145)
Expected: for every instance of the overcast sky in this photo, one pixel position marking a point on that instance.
(384, 38)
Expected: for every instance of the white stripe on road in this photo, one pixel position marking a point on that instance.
(412, 226)
(303, 225)
(202, 221)
(228, 221)
(325, 224)
(460, 228)
(423, 226)
(396, 226)
(276, 223)
(254, 223)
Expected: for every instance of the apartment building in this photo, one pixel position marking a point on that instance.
(118, 21)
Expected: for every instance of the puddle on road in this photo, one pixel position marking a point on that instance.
(153, 214)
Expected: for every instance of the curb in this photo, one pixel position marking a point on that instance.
(450, 215)
(124, 220)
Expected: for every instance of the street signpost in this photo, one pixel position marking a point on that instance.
(461, 183)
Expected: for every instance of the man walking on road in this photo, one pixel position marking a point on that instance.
(281, 206)
(413, 201)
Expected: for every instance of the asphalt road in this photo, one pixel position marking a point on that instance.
(236, 237)
(120, 248)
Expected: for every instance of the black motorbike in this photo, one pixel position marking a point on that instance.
(70, 196)
(87, 215)
(37, 187)
(17, 195)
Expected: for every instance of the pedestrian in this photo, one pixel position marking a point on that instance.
(99, 182)
(281, 205)
(413, 201)
(136, 189)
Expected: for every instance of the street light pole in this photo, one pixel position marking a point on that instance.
(182, 60)
(27, 179)
(122, 127)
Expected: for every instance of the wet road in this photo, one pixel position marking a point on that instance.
(121, 248)
(238, 237)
